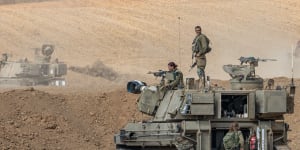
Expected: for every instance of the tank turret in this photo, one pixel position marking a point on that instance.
(198, 119)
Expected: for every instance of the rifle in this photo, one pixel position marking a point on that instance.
(192, 66)
(159, 73)
(193, 63)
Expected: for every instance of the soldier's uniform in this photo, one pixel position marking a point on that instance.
(199, 47)
(235, 140)
(177, 81)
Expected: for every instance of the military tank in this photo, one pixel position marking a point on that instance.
(41, 71)
(198, 117)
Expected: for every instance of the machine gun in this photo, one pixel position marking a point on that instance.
(253, 60)
(244, 72)
(159, 73)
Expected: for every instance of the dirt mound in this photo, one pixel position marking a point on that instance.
(32, 119)
(98, 69)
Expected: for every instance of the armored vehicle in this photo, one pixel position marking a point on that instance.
(41, 71)
(198, 118)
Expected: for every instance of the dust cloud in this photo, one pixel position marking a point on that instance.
(98, 69)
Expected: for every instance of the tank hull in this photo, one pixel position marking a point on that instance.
(195, 119)
(32, 74)
(198, 135)
(32, 81)
(41, 71)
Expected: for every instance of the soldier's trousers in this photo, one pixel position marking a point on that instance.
(201, 64)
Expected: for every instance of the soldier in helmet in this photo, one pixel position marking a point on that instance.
(177, 81)
(200, 48)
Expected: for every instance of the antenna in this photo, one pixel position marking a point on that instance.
(179, 46)
(293, 55)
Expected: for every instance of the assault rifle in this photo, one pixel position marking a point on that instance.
(192, 66)
(159, 73)
(193, 63)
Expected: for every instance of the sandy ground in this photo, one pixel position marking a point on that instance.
(137, 36)
(130, 37)
(35, 119)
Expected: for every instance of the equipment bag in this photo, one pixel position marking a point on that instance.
(208, 47)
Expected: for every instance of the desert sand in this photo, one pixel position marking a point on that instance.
(130, 37)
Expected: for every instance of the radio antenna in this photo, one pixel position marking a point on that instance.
(293, 55)
(179, 46)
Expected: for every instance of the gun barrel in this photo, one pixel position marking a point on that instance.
(267, 59)
(273, 59)
(157, 73)
(253, 59)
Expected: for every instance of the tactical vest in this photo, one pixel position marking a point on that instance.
(171, 76)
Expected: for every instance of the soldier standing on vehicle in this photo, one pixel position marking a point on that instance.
(234, 140)
(200, 47)
(176, 79)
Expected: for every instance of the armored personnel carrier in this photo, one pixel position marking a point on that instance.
(198, 118)
(41, 71)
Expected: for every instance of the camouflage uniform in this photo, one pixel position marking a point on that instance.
(237, 140)
(177, 83)
(200, 44)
